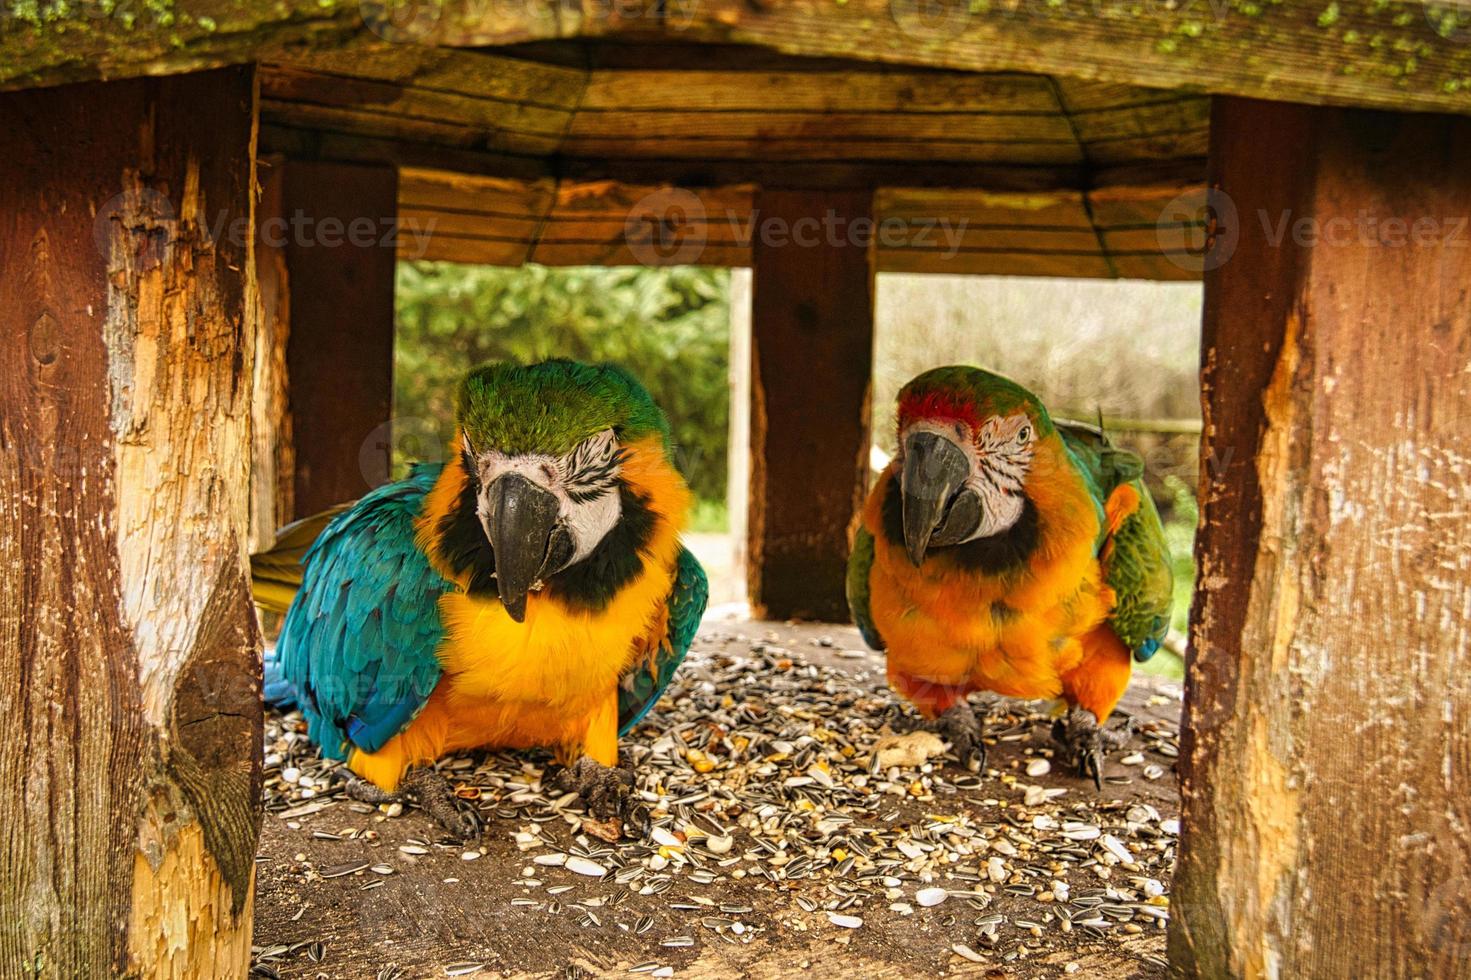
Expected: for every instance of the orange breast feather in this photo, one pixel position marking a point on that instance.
(959, 630)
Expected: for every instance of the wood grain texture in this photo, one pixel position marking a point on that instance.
(129, 684)
(1328, 702)
(340, 353)
(1404, 54)
(1110, 231)
(723, 109)
(273, 454)
(811, 376)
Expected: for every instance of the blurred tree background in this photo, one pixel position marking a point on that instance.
(670, 327)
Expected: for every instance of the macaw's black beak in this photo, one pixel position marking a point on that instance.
(520, 518)
(934, 472)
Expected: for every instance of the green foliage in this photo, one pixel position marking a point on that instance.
(709, 516)
(1180, 535)
(668, 327)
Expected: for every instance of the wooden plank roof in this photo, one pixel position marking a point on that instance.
(1110, 232)
(1396, 54)
(541, 154)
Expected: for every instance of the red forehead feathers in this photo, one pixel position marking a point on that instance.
(938, 405)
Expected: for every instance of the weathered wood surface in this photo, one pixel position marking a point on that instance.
(273, 453)
(811, 375)
(1110, 231)
(130, 718)
(1328, 722)
(341, 233)
(1410, 54)
(722, 108)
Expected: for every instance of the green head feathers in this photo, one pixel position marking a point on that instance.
(552, 406)
(969, 394)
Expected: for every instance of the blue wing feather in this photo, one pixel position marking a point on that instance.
(359, 641)
(642, 687)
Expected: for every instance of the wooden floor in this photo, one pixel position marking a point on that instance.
(376, 905)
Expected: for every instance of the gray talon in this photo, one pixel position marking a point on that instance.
(1084, 741)
(360, 789)
(607, 793)
(960, 726)
(430, 791)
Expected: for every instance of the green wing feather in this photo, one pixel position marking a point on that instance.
(1137, 567)
(859, 562)
(641, 687)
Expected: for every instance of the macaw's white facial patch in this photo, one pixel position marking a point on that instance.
(585, 482)
(1000, 454)
(1004, 448)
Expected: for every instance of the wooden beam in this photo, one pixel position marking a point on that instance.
(341, 233)
(1106, 232)
(273, 453)
(1327, 823)
(1404, 54)
(130, 717)
(811, 374)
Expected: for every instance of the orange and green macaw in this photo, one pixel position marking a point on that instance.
(1004, 551)
(530, 592)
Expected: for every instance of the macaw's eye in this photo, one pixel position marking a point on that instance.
(1025, 434)
(960, 429)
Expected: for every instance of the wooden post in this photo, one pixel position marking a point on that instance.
(340, 261)
(738, 458)
(1327, 752)
(130, 718)
(273, 456)
(811, 373)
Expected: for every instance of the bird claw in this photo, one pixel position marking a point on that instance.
(358, 788)
(1084, 741)
(607, 794)
(430, 792)
(899, 719)
(962, 729)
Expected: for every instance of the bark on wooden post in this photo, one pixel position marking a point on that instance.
(811, 373)
(130, 718)
(340, 239)
(1328, 722)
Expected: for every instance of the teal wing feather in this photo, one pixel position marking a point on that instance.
(859, 562)
(360, 639)
(642, 687)
(1136, 560)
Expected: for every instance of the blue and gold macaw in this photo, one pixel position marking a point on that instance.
(530, 592)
